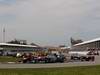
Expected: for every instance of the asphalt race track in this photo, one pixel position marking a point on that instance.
(52, 65)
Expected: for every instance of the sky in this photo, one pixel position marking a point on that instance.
(50, 22)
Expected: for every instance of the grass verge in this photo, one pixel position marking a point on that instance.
(8, 59)
(87, 70)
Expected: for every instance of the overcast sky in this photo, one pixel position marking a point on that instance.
(50, 22)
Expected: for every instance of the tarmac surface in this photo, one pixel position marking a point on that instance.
(52, 65)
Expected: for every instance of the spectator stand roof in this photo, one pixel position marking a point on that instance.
(17, 45)
(86, 42)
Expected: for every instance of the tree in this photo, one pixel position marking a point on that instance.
(15, 41)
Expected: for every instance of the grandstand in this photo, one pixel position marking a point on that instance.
(87, 45)
(6, 48)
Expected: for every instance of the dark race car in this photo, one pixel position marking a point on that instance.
(53, 58)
